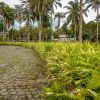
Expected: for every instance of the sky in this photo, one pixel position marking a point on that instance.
(91, 13)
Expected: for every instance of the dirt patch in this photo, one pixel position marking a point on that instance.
(20, 68)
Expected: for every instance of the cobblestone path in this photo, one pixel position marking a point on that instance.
(18, 69)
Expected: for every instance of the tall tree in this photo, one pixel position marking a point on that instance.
(2, 6)
(59, 16)
(73, 18)
(19, 12)
(26, 17)
(19, 16)
(8, 16)
(73, 10)
(95, 4)
(52, 5)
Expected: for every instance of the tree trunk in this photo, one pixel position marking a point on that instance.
(20, 29)
(52, 27)
(28, 26)
(3, 32)
(8, 34)
(33, 21)
(4, 23)
(28, 33)
(75, 33)
(81, 20)
(40, 27)
(58, 26)
(97, 26)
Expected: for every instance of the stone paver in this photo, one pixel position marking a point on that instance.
(18, 69)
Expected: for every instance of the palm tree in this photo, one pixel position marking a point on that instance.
(27, 15)
(8, 16)
(19, 16)
(59, 16)
(73, 12)
(53, 4)
(39, 9)
(35, 9)
(2, 14)
(19, 11)
(95, 4)
(27, 19)
(2, 6)
(73, 15)
(42, 8)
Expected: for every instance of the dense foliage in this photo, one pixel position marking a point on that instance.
(73, 70)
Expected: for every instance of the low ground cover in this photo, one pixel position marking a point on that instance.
(73, 70)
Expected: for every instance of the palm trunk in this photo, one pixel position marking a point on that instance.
(8, 27)
(12, 37)
(28, 27)
(40, 27)
(81, 21)
(20, 29)
(58, 24)
(3, 30)
(51, 27)
(28, 33)
(97, 26)
(75, 33)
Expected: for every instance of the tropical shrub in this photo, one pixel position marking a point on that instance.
(73, 70)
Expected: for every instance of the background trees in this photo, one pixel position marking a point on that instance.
(7, 15)
(73, 12)
(95, 4)
(39, 16)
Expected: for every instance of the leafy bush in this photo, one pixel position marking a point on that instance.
(73, 70)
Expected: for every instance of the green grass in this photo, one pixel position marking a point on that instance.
(73, 71)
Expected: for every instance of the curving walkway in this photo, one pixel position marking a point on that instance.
(18, 69)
